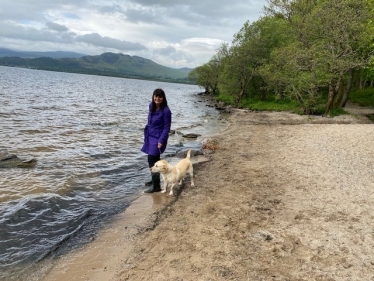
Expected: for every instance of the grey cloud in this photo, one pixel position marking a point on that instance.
(204, 13)
(162, 15)
(107, 42)
(173, 57)
(95, 39)
(112, 9)
(28, 33)
(31, 10)
(71, 16)
(187, 27)
(146, 16)
(165, 51)
(56, 26)
(68, 37)
(32, 34)
(166, 3)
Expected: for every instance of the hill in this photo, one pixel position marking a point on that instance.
(55, 55)
(106, 64)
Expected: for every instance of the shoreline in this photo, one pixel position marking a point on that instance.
(103, 257)
(259, 210)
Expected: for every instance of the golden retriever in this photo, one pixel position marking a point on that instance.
(174, 174)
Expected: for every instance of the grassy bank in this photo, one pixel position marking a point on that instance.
(363, 97)
(272, 103)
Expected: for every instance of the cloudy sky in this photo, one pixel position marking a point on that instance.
(173, 33)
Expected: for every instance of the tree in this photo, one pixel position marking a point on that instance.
(206, 76)
(332, 36)
(250, 50)
(201, 76)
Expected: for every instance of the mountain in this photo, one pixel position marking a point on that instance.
(106, 64)
(55, 55)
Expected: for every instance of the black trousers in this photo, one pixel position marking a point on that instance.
(152, 160)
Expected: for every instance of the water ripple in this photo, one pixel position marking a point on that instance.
(86, 133)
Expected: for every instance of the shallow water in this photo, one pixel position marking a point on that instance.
(86, 133)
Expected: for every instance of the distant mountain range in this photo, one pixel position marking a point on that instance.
(31, 55)
(106, 64)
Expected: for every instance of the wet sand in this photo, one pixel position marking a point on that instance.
(106, 254)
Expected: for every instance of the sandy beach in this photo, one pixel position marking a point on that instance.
(284, 197)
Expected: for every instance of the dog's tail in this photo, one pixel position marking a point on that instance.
(188, 154)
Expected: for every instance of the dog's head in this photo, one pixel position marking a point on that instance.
(160, 167)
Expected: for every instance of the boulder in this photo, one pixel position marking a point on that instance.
(12, 161)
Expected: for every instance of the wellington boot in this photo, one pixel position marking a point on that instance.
(148, 183)
(155, 184)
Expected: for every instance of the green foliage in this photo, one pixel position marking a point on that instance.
(321, 109)
(296, 52)
(207, 75)
(271, 104)
(337, 112)
(332, 40)
(250, 50)
(229, 100)
(363, 97)
(275, 103)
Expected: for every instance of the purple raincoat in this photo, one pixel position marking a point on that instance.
(157, 130)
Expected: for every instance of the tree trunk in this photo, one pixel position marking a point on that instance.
(243, 86)
(347, 89)
(239, 97)
(263, 93)
(330, 101)
(362, 83)
(340, 93)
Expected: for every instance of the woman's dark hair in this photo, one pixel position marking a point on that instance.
(159, 93)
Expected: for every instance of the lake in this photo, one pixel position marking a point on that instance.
(85, 133)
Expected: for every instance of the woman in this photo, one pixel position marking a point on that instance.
(156, 133)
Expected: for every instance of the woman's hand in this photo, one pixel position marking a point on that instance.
(159, 145)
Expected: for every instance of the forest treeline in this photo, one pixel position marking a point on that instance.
(311, 52)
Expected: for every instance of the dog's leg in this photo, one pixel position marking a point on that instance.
(171, 193)
(190, 171)
(165, 186)
(178, 176)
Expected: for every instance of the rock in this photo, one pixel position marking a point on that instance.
(191, 136)
(183, 153)
(228, 109)
(263, 235)
(225, 109)
(12, 161)
(27, 164)
(8, 157)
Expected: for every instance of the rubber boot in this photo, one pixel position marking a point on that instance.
(148, 183)
(155, 184)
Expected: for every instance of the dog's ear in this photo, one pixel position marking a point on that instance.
(164, 168)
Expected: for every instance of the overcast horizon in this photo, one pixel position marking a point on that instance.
(170, 33)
